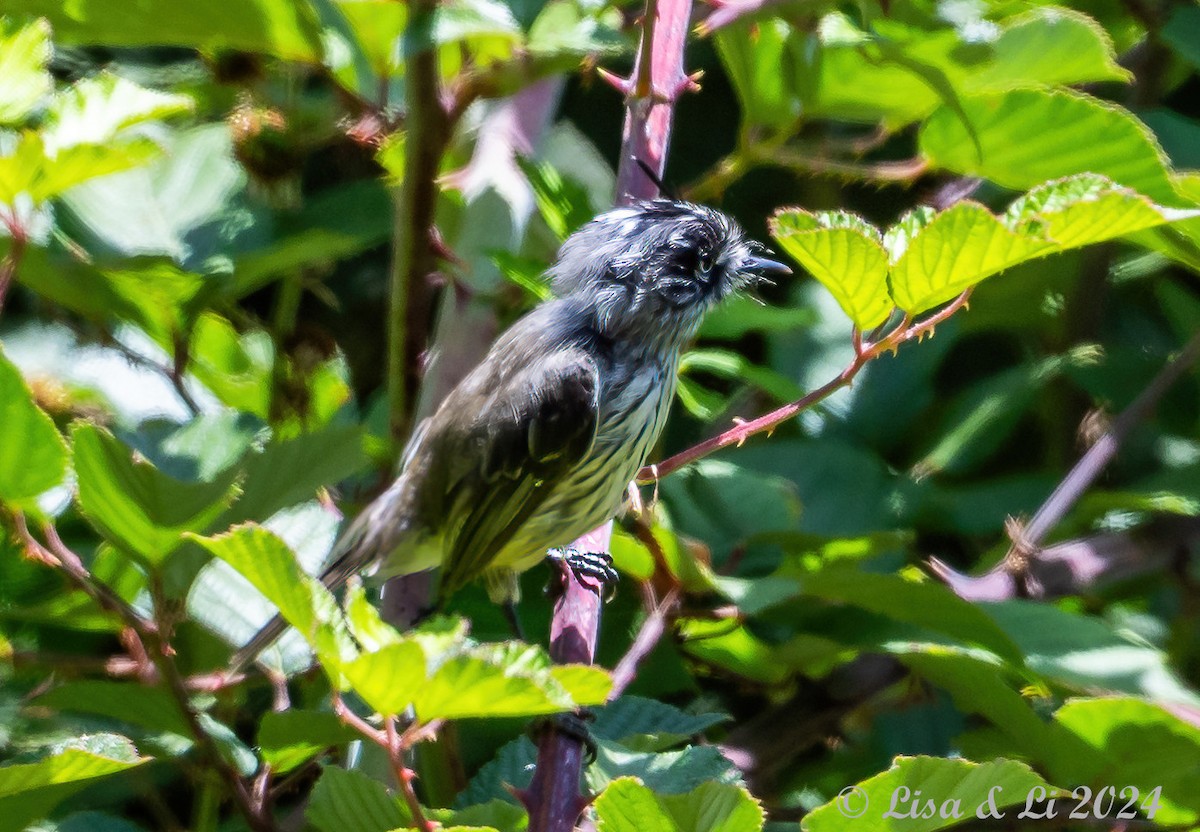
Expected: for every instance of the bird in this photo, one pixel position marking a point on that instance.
(538, 444)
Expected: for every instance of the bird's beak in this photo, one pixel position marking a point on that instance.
(765, 269)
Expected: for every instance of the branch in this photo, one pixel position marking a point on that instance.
(553, 797)
(726, 12)
(1102, 452)
(864, 353)
(1032, 567)
(151, 640)
(395, 745)
(647, 639)
(413, 257)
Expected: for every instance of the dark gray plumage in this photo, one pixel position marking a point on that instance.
(537, 445)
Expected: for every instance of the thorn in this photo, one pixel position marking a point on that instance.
(621, 85)
(738, 420)
(523, 795)
(689, 83)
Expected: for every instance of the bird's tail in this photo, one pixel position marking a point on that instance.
(375, 533)
(341, 570)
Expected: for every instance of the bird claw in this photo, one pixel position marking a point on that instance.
(596, 566)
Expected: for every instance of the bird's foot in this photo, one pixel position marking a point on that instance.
(572, 724)
(592, 569)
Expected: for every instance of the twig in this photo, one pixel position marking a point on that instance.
(395, 745)
(902, 171)
(726, 12)
(864, 354)
(1092, 463)
(151, 639)
(413, 258)
(644, 643)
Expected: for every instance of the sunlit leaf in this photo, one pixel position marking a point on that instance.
(140, 509)
(845, 254)
(959, 784)
(33, 455)
(275, 27)
(270, 565)
(628, 806)
(957, 249)
(24, 53)
(1088, 136)
(29, 791)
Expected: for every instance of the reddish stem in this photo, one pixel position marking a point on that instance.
(553, 797)
(766, 423)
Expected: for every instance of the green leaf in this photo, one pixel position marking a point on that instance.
(629, 806)
(96, 110)
(150, 708)
(389, 678)
(29, 791)
(31, 170)
(137, 507)
(733, 647)
(495, 814)
(960, 785)
(235, 367)
(845, 253)
(666, 772)
(287, 472)
(271, 567)
(275, 27)
(956, 250)
(741, 314)
(511, 767)
(24, 53)
(33, 455)
(563, 203)
(922, 603)
(1149, 746)
(288, 739)
(344, 800)
(642, 724)
(757, 60)
(1089, 136)
(1083, 652)
(1085, 209)
(1052, 46)
(1180, 32)
(498, 680)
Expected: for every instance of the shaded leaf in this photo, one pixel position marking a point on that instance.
(140, 509)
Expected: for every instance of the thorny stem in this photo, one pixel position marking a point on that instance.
(864, 353)
(395, 745)
(1092, 463)
(153, 643)
(553, 798)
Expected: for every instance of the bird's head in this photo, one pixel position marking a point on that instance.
(651, 270)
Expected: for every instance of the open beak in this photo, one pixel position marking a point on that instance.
(765, 269)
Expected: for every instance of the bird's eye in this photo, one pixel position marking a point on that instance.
(704, 262)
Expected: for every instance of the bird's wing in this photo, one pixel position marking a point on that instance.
(538, 423)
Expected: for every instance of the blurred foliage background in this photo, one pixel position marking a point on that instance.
(198, 281)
